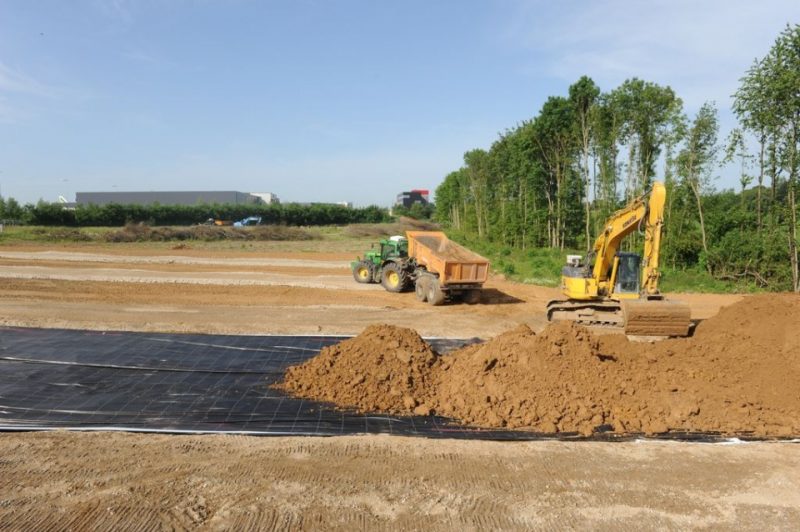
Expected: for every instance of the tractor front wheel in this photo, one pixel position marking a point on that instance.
(362, 272)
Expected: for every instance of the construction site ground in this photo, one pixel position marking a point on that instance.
(146, 481)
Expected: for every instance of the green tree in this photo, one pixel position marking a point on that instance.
(696, 160)
(649, 111)
(768, 102)
(583, 94)
(554, 134)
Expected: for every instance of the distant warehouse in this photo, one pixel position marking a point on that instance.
(183, 197)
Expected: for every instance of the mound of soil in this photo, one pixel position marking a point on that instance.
(738, 374)
(385, 368)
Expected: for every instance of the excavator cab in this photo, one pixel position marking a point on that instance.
(628, 272)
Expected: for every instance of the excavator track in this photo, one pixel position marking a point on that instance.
(637, 317)
(590, 313)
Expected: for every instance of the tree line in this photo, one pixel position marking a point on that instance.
(552, 180)
(114, 215)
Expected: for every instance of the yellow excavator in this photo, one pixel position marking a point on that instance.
(605, 290)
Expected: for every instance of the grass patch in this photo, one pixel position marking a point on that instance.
(19, 234)
(145, 233)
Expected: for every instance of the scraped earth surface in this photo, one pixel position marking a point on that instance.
(126, 481)
(138, 288)
(58, 481)
(736, 375)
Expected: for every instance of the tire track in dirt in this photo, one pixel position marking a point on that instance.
(63, 256)
(227, 278)
(146, 482)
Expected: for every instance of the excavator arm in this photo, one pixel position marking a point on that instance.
(652, 239)
(641, 211)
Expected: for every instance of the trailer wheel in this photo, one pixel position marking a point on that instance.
(472, 297)
(436, 296)
(421, 288)
(393, 278)
(362, 272)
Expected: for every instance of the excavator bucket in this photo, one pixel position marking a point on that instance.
(656, 317)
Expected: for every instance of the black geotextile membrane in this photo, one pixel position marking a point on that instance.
(89, 380)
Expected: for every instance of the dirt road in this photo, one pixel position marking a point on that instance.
(148, 482)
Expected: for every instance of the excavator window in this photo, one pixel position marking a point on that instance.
(628, 273)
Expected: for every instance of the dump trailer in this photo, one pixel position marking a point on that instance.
(438, 269)
(444, 270)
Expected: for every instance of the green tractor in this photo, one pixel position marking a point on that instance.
(389, 266)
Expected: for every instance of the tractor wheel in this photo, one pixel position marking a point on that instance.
(421, 288)
(362, 272)
(472, 297)
(394, 278)
(436, 296)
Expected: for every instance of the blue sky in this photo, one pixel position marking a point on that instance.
(328, 100)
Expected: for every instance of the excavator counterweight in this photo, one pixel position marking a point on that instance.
(620, 289)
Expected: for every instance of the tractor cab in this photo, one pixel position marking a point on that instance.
(395, 247)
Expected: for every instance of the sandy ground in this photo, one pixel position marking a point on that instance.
(93, 480)
(115, 481)
(284, 293)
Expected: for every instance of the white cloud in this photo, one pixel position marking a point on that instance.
(120, 10)
(699, 47)
(15, 81)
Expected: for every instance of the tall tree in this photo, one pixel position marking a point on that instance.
(696, 159)
(649, 111)
(608, 117)
(735, 148)
(583, 95)
(768, 102)
(554, 135)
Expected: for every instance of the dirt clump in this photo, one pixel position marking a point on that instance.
(557, 381)
(385, 368)
(737, 375)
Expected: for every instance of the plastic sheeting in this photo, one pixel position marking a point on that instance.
(70, 379)
(89, 380)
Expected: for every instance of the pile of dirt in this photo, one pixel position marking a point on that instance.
(738, 374)
(385, 368)
(385, 230)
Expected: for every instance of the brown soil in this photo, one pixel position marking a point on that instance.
(192, 295)
(449, 250)
(385, 368)
(108, 481)
(51, 481)
(737, 375)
